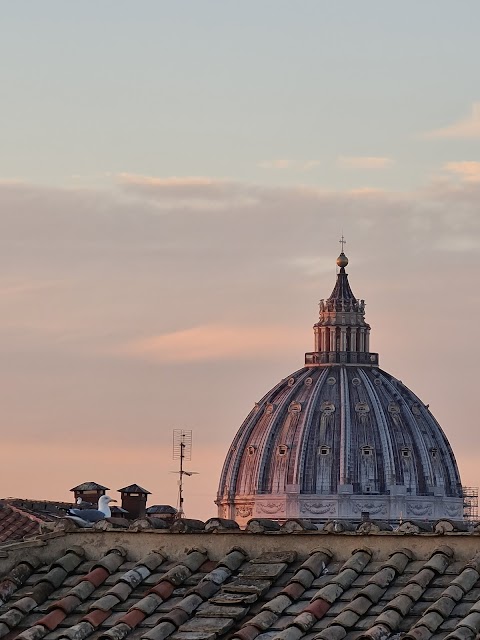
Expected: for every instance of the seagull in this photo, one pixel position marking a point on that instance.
(82, 504)
(88, 517)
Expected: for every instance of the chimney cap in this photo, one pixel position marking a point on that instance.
(90, 486)
(134, 488)
(161, 508)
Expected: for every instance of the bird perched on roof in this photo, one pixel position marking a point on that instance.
(83, 504)
(88, 517)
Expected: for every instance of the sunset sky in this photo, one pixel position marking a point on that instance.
(174, 180)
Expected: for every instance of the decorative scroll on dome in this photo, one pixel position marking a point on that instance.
(454, 510)
(244, 510)
(318, 508)
(419, 509)
(373, 507)
(270, 507)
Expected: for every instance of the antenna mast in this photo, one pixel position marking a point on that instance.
(182, 450)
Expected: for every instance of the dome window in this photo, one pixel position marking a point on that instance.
(324, 450)
(251, 450)
(393, 407)
(282, 449)
(327, 408)
(406, 453)
(367, 451)
(294, 407)
(362, 408)
(434, 452)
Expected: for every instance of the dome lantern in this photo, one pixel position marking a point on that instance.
(341, 334)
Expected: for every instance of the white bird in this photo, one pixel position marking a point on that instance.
(87, 517)
(82, 504)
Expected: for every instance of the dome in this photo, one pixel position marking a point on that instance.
(340, 438)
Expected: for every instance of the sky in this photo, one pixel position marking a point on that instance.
(174, 180)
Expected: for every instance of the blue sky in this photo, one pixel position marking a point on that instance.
(269, 91)
(174, 180)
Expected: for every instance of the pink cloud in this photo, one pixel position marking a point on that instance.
(468, 127)
(213, 342)
(364, 162)
(198, 192)
(172, 181)
(466, 170)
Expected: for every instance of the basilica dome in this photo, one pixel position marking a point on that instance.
(340, 437)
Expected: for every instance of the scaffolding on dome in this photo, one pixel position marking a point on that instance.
(470, 503)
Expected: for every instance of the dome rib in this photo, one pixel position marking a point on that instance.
(417, 439)
(383, 431)
(304, 465)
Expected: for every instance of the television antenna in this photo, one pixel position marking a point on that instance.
(182, 450)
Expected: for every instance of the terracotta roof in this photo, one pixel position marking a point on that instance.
(44, 509)
(15, 523)
(22, 517)
(306, 585)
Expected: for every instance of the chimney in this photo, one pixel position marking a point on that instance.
(164, 511)
(89, 492)
(134, 500)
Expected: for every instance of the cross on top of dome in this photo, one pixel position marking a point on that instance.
(342, 259)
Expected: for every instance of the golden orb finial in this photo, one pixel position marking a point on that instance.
(342, 260)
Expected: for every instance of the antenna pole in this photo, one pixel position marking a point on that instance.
(182, 450)
(180, 483)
